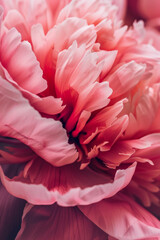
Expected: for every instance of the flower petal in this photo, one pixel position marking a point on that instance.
(44, 136)
(46, 222)
(24, 70)
(48, 105)
(123, 219)
(16, 19)
(11, 209)
(13, 151)
(125, 77)
(68, 185)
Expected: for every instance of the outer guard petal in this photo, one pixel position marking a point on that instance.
(41, 183)
(55, 223)
(11, 210)
(123, 219)
(44, 136)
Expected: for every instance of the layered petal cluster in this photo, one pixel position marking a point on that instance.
(79, 122)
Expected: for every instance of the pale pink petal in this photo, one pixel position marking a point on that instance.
(44, 136)
(61, 37)
(24, 70)
(47, 105)
(108, 58)
(144, 106)
(55, 7)
(153, 36)
(68, 186)
(125, 77)
(93, 11)
(101, 14)
(122, 218)
(32, 11)
(76, 68)
(15, 19)
(55, 222)
(122, 5)
(11, 209)
(142, 53)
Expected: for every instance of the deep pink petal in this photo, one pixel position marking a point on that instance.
(13, 151)
(68, 186)
(44, 136)
(102, 121)
(123, 218)
(11, 209)
(55, 222)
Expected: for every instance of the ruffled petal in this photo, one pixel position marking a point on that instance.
(68, 185)
(124, 219)
(44, 136)
(24, 70)
(76, 82)
(47, 105)
(32, 11)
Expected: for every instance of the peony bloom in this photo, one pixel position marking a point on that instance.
(79, 123)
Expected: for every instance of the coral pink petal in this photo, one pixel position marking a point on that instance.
(46, 222)
(44, 136)
(11, 209)
(68, 186)
(55, 7)
(122, 218)
(24, 70)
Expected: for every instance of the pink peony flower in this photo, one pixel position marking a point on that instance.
(79, 123)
